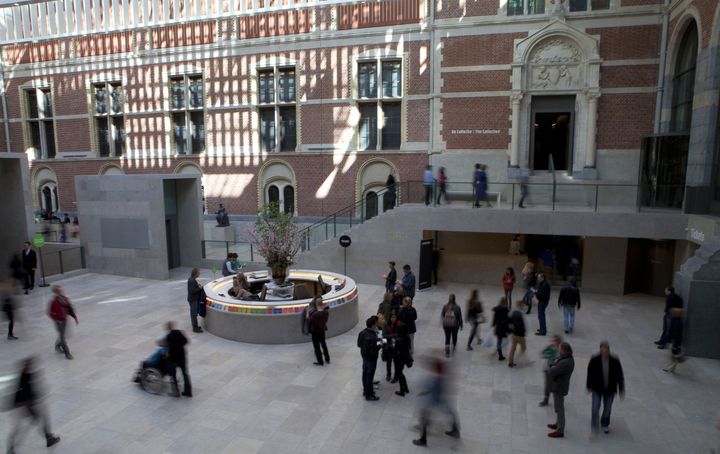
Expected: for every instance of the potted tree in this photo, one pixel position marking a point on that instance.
(275, 236)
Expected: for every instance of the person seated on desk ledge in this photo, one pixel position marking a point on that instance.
(222, 218)
(241, 288)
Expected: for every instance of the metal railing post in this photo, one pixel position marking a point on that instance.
(326, 231)
(512, 201)
(597, 186)
(202, 247)
(227, 248)
(82, 257)
(252, 257)
(334, 225)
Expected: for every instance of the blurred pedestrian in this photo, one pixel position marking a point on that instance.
(402, 357)
(451, 316)
(543, 296)
(523, 190)
(17, 271)
(318, 326)
(369, 345)
(8, 306)
(391, 194)
(500, 323)
(390, 277)
(442, 182)
(176, 342)
(677, 355)
(529, 282)
(28, 399)
(517, 328)
(672, 301)
(29, 264)
(508, 282)
(436, 391)
(550, 354)
(560, 372)
(58, 311)
(604, 379)
(480, 185)
(474, 317)
(568, 301)
(408, 316)
(193, 296)
(428, 182)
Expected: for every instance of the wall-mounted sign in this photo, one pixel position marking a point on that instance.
(475, 132)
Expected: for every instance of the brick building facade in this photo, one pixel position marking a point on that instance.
(327, 98)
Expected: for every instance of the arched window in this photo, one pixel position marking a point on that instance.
(48, 197)
(371, 204)
(282, 193)
(289, 199)
(684, 81)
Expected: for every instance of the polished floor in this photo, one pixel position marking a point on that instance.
(271, 399)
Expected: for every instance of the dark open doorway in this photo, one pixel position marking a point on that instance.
(552, 135)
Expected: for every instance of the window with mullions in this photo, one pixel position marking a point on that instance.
(520, 7)
(684, 81)
(277, 109)
(108, 114)
(379, 109)
(582, 5)
(40, 122)
(187, 101)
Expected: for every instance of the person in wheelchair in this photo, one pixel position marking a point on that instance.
(150, 375)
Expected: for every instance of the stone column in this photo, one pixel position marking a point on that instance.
(591, 149)
(515, 131)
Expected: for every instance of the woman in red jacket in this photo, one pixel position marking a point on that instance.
(508, 282)
(59, 310)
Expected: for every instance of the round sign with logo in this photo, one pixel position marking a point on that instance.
(38, 240)
(345, 241)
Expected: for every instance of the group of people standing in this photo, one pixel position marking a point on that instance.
(479, 185)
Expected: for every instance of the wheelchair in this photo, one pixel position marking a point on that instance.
(152, 373)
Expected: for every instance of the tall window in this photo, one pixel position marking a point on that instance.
(39, 121)
(282, 193)
(520, 7)
(684, 81)
(109, 106)
(381, 102)
(187, 103)
(276, 109)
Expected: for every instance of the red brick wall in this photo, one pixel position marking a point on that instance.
(465, 50)
(418, 121)
(628, 76)
(623, 119)
(622, 43)
(448, 9)
(476, 81)
(490, 113)
(324, 123)
(180, 35)
(374, 14)
(112, 43)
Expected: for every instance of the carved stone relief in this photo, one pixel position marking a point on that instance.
(556, 50)
(554, 76)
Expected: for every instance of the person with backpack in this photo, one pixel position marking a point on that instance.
(58, 311)
(516, 326)
(474, 316)
(568, 301)
(451, 316)
(318, 325)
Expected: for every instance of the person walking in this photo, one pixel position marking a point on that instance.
(550, 353)
(58, 311)
(17, 271)
(8, 307)
(480, 185)
(543, 296)
(369, 345)
(390, 334)
(523, 190)
(390, 277)
(29, 264)
(436, 390)
(408, 316)
(402, 358)
(28, 399)
(318, 326)
(529, 282)
(604, 380)
(391, 194)
(474, 317)
(176, 342)
(672, 301)
(442, 182)
(428, 182)
(451, 317)
(408, 282)
(568, 301)
(560, 372)
(193, 296)
(517, 328)
(676, 338)
(508, 283)
(500, 323)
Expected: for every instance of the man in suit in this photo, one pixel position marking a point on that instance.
(560, 371)
(29, 263)
(604, 379)
(193, 295)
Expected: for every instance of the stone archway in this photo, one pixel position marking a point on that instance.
(557, 60)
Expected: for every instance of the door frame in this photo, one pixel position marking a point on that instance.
(543, 104)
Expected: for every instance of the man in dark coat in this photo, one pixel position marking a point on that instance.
(672, 301)
(193, 295)
(29, 263)
(604, 379)
(369, 345)
(568, 301)
(543, 297)
(318, 325)
(560, 371)
(176, 342)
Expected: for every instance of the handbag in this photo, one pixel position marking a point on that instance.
(487, 341)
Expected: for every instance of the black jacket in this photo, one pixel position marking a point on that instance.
(193, 290)
(595, 380)
(401, 352)
(500, 321)
(368, 344)
(673, 301)
(518, 323)
(569, 296)
(29, 260)
(391, 278)
(543, 292)
(408, 315)
(318, 321)
(176, 342)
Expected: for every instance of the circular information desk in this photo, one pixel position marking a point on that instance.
(278, 319)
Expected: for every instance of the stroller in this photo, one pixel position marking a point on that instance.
(151, 374)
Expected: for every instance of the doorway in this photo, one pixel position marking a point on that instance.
(552, 134)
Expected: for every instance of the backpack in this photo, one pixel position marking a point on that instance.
(449, 319)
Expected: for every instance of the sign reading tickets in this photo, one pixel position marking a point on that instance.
(38, 240)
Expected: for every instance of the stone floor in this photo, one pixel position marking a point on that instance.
(271, 399)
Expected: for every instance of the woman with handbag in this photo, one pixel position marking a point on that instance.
(474, 317)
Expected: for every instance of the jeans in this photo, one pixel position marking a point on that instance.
(665, 336)
(559, 404)
(508, 297)
(193, 315)
(60, 343)
(428, 194)
(606, 398)
(29, 279)
(527, 298)
(450, 333)
(172, 370)
(523, 194)
(318, 340)
(541, 317)
(441, 193)
(473, 332)
(569, 317)
(499, 346)
(368, 375)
